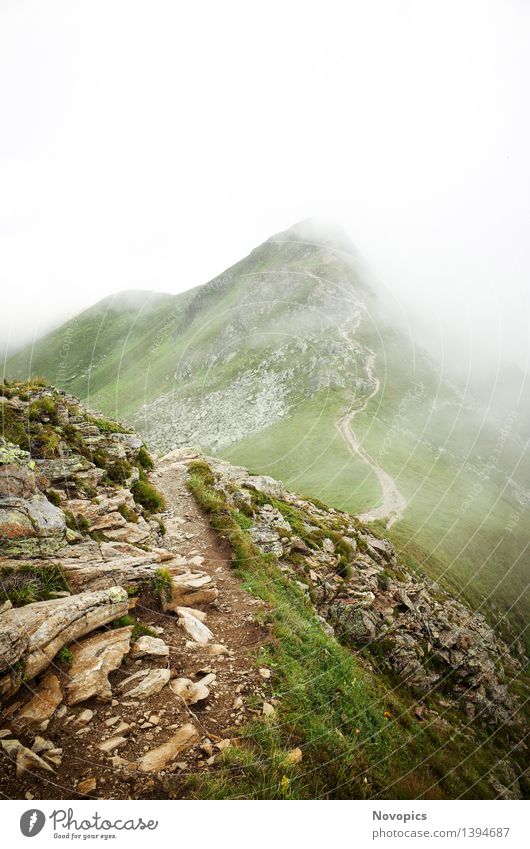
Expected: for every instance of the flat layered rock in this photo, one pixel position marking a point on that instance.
(157, 759)
(189, 589)
(35, 633)
(145, 646)
(93, 660)
(119, 570)
(197, 630)
(45, 701)
(150, 683)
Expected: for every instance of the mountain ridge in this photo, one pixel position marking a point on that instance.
(188, 629)
(262, 364)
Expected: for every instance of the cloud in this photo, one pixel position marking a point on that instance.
(152, 149)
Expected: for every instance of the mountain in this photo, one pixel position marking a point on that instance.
(186, 629)
(291, 364)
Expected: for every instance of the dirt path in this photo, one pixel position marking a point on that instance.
(237, 690)
(392, 502)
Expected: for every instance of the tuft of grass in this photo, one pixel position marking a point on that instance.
(25, 584)
(65, 655)
(119, 472)
(42, 409)
(162, 584)
(107, 425)
(244, 521)
(77, 522)
(54, 497)
(143, 459)
(145, 494)
(139, 629)
(128, 514)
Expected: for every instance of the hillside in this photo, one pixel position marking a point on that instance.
(192, 630)
(288, 364)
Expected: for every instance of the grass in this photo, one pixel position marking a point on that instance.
(25, 583)
(138, 628)
(76, 522)
(162, 584)
(65, 656)
(128, 514)
(145, 494)
(143, 459)
(356, 730)
(42, 409)
(107, 425)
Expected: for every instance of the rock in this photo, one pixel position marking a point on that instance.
(108, 521)
(17, 481)
(129, 533)
(84, 717)
(193, 626)
(189, 691)
(118, 570)
(146, 645)
(158, 758)
(86, 786)
(193, 611)
(189, 589)
(112, 743)
(34, 634)
(153, 682)
(30, 527)
(93, 660)
(28, 761)
(65, 469)
(264, 673)
(267, 539)
(352, 623)
(24, 758)
(48, 696)
(268, 709)
(41, 745)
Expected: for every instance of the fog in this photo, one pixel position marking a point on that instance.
(151, 145)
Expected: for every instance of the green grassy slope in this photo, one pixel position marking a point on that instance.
(270, 323)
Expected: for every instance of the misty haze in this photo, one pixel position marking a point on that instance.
(264, 470)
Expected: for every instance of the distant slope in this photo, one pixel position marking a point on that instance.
(260, 366)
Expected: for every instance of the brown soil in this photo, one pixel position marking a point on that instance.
(232, 619)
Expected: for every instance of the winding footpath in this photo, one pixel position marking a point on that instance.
(392, 503)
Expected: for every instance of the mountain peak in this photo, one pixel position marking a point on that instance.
(320, 232)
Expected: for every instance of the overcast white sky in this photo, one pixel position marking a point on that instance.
(152, 144)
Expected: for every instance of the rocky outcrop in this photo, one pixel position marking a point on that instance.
(30, 525)
(31, 636)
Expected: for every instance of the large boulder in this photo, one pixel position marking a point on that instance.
(31, 636)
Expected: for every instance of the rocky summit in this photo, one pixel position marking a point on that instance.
(186, 629)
